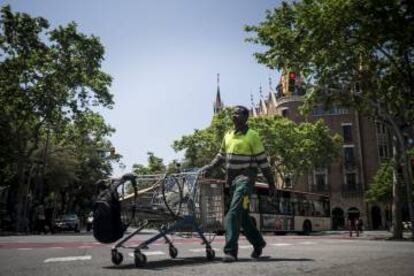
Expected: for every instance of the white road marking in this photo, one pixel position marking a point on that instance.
(201, 249)
(24, 249)
(85, 246)
(281, 244)
(148, 253)
(245, 246)
(307, 243)
(68, 259)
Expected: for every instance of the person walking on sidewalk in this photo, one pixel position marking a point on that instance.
(243, 153)
(352, 226)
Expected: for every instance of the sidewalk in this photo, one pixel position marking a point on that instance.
(370, 234)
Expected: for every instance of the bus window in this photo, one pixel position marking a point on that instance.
(319, 208)
(285, 206)
(254, 204)
(265, 207)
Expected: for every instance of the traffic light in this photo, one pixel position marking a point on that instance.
(291, 82)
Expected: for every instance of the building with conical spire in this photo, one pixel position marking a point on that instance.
(218, 104)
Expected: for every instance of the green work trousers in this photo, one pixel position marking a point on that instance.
(238, 215)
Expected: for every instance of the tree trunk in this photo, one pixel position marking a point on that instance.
(402, 161)
(20, 196)
(408, 179)
(396, 191)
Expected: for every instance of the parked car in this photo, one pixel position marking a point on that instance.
(68, 222)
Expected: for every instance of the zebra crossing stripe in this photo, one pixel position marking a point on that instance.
(196, 250)
(148, 253)
(307, 243)
(281, 244)
(245, 246)
(68, 259)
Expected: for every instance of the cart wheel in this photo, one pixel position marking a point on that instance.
(140, 259)
(117, 257)
(210, 254)
(173, 252)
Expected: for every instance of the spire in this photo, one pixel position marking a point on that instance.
(253, 106)
(270, 83)
(263, 107)
(260, 92)
(218, 104)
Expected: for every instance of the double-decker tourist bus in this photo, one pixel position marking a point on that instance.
(288, 211)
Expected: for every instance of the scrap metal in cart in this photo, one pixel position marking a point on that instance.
(173, 203)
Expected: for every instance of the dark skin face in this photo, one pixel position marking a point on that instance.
(239, 120)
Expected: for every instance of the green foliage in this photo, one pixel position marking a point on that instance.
(155, 166)
(295, 149)
(381, 188)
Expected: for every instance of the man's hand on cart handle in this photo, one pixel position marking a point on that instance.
(128, 176)
(205, 170)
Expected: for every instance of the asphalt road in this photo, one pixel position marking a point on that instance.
(331, 254)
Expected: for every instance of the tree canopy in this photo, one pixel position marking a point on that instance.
(50, 84)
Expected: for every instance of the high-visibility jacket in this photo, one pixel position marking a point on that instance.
(243, 154)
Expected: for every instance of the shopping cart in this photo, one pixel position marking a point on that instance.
(172, 203)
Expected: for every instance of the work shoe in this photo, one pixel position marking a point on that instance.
(257, 251)
(229, 258)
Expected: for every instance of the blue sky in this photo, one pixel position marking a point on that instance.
(164, 57)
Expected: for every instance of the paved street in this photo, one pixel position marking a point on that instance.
(332, 253)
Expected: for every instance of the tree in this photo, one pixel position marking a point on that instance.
(355, 53)
(48, 78)
(155, 166)
(381, 188)
(296, 149)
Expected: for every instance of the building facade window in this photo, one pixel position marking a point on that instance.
(383, 151)
(347, 133)
(350, 182)
(320, 180)
(381, 128)
(335, 110)
(349, 158)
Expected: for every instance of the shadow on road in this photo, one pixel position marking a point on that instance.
(193, 261)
